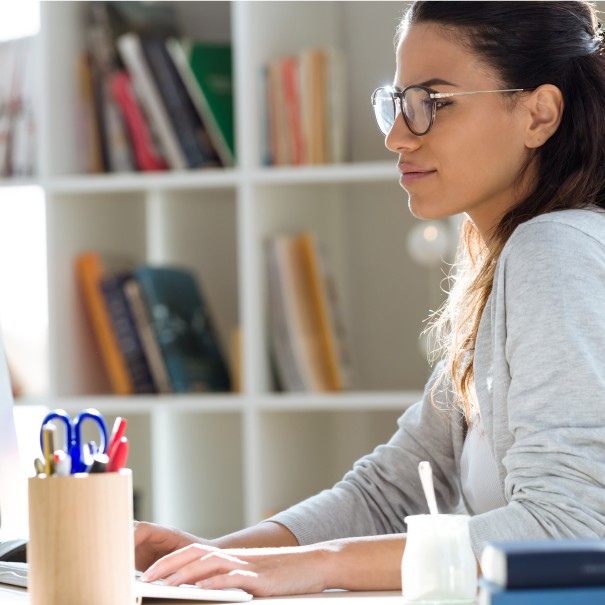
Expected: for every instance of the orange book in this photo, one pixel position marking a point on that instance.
(90, 272)
(319, 297)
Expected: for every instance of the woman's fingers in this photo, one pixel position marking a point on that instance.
(208, 566)
(262, 572)
(174, 561)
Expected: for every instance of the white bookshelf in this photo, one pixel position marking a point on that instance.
(213, 463)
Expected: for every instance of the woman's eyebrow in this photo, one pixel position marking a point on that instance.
(429, 83)
(434, 81)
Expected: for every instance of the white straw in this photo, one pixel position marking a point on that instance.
(426, 478)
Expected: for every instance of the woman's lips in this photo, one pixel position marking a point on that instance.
(411, 174)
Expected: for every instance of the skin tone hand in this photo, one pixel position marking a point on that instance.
(353, 564)
(153, 541)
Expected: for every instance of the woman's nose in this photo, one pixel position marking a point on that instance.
(400, 137)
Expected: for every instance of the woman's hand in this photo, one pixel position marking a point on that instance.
(371, 563)
(152, 542)
(259, 571)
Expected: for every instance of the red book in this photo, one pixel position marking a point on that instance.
(145, 155)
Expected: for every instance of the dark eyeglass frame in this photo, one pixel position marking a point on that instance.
(434, 96)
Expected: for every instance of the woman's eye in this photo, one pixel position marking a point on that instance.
(441, 104)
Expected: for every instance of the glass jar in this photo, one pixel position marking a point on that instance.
(438, 564)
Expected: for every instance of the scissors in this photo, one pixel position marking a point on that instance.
(73, 435)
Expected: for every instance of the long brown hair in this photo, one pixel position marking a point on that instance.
(527, 44)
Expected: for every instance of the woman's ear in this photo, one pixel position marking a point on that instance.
(545, 105)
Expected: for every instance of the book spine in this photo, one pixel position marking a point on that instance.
(319, 297)
(288, 373)
(141, 318)
(529, 564)
(574, 568)
(183, 329)
(129, 46)
(146, 156)
(196, 94)
(187, 125)
(89, 271)
(291, 97)
(594, 595)
(126, 334)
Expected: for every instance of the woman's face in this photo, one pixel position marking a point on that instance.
(470, 159)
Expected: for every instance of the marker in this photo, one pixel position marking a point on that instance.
(99, 463)
(48, 439)
(62, 463)
(39, 466)
(120, 455)
(119, 427)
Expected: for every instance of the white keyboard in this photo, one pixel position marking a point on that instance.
(16, 574)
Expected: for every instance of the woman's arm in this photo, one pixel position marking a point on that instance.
(371, 563)
(153, 542)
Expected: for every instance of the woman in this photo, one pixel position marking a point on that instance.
(497, 111)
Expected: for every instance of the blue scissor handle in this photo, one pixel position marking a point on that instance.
(64, 417)
(74, 434)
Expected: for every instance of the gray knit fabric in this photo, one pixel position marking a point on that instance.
(540, 382)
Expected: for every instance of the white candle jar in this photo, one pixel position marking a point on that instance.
(438, 564)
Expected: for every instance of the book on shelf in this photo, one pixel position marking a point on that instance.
(328, 312)
(89, 136)
(113, 137)
(184, 329)
(304, 107)
(189, 128)
(489, 594)
(289, 370)
(145, 152)
(544, 563)
(126, 332)
(205, 71)
(90, 273)
(309, 352)
(131, 51)
(149, 342)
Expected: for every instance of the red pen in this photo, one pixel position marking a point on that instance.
(118, 460)
(119, 427)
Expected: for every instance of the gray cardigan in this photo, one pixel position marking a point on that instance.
(540, 382)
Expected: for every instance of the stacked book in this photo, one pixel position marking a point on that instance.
(306, 325)
(149, 98)
(152, 327)
(553, 572)
(305, 101)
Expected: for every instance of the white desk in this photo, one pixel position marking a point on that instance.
(10, 595)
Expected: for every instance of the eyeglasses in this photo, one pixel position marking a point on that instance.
(418, 104)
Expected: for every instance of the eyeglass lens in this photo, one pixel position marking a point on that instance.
(417, 108)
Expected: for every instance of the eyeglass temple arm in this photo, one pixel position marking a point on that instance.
(443, 95)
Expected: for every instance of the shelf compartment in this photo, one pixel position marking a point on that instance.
(197, 461)
(319, 447)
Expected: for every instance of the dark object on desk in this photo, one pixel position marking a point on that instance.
(13, 551)
(545, 563)
(490, 594)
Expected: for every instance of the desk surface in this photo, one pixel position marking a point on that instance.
(10, 595)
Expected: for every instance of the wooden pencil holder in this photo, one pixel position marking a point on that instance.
(81, 547)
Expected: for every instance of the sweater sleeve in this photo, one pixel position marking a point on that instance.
(552, 284)
(384, 487)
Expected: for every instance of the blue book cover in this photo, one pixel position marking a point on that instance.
(184, 329)
(490, 594)
(124, 327)
(548, 563)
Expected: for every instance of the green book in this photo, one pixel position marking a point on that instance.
(205, 69)
(183, 328)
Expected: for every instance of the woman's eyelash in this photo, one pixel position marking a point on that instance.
(441, 104)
